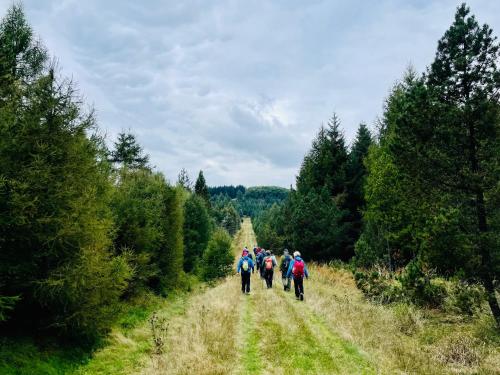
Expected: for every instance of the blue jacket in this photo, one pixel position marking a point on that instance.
(290, 268)
(250, 264)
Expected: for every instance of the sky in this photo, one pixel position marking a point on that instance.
(239, 89)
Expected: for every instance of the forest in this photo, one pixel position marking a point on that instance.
(92, 236)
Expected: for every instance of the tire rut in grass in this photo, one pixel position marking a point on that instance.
(347, 357)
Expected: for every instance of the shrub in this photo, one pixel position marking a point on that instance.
(379, 285)
(418, 286)
(465, 298)
(196, 231)
(218, 258)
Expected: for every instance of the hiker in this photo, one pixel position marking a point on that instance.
(285, 263)
(297, 269)
(245, 266)
(259, 259)
(269, 263)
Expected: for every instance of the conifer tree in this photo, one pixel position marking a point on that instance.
(201, 189)
(447, 138)
(129, 153)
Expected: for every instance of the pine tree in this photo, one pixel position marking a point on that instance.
(196, 231)
(356, 176)
(129, 153)
(201, 189)
(447, 138)
(184, 180)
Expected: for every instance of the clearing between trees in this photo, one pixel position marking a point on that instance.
(335, 331)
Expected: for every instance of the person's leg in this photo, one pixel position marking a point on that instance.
(288, 283)
(242, 282)
(248, 283)
(296, 287)
(271, 275)
(301, 288)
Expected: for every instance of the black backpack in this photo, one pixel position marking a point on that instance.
(286, 263)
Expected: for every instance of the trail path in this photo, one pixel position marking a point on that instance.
(267, 332)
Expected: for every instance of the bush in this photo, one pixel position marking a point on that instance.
(218, 258)
(465, 298)
(379, 285)
(418, 286)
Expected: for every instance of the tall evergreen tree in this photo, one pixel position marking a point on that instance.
(54, 190)
(129, 153)
(447, 137)
(184, 180)
(196, 231)
(356, 176)
(201, 189)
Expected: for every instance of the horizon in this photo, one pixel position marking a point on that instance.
(218, 87)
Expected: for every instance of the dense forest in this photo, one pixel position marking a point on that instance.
(249, 201)
(84, 228)
(419, 197)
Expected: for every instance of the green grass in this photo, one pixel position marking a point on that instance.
(251, 359)
(125, 349)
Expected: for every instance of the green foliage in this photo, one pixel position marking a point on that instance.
(316, 226)
(197, 228)
(138, 209)
(54, 189)
(201, 189)
(218, 258)
(7, 305)
(83, 296)
(128, 153)
(269, 228)
(171, 257)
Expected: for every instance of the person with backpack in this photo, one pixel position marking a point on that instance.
(284, 264)
(259, 260)
(269, 263)
(297, 269)
(245, 267)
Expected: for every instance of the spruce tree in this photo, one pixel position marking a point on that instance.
(184, 180)
(129, 153)
(196, 231)
(201, 189)
(447, 138)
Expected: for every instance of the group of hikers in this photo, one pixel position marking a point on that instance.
(264, 262)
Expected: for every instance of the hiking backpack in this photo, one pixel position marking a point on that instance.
(269, 263)
(245, 265)
(286, 264)
(298, 268)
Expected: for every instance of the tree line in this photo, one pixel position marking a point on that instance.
(84, 228)
(422, 194)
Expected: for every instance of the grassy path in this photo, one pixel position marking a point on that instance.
(267, 332)
(219, 330)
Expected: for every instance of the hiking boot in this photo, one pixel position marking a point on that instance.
(301, 296)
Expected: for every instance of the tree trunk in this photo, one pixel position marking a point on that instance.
(492, 299)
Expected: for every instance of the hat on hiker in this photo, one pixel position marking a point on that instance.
(245, 252)
(296, 254)
(285, 252)
(268, 252)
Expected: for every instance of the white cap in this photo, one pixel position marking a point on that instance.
(296, 254)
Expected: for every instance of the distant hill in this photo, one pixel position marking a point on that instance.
(249, 201)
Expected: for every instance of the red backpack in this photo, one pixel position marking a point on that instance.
(269, 263)
(298, 268)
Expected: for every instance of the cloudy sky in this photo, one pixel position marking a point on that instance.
(239, 88)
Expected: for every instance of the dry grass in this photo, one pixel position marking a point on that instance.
(401, 338)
